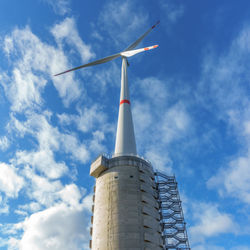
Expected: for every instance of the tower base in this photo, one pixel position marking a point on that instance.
(126, 210)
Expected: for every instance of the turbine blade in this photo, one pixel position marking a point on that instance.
(103, 60)
(109, 58)
(130, 53)
(134, 44)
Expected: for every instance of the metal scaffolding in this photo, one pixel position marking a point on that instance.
(172, 220)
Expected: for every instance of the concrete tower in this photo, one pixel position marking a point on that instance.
(126, 211)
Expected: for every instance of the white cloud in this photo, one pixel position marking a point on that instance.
(96, 143)
(240, 248)
(172, 10)
(12, 243)
(23, 89)
(143, 118)
(71, 145)
(44, 193)
(59, 227)
(4, 207)
(247, 127)
(40, 167)
(63, 225)
(87, 119)
(88, 202)
(207, 247)
(123, 21)
(10, 182)
(4, 143)
(38, 125)
(65, 119)
(167, 122)
(160, 160)
(106, 78)
(34, 62)
(15, 125)
(49, 139)
(3, 242)
(66, 33)
(41, 189)
(42, 160)
(163, 119)
(224, 78)
(30, 207)
(175, 123)
(233, 180)
(210, 221)
(224, 81)
(70, 195)
(154, 89)
(60, 7)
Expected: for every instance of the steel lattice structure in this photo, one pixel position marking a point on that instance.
(172, 220)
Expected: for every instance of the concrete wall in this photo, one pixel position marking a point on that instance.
(125, 212)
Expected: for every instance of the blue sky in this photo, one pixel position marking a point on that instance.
(190, 105)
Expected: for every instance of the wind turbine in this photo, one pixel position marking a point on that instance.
(125, 138)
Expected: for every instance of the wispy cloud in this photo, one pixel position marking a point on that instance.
(48, 139)
(172, 10)
(207, 247)
(210, 221)
(43, 161)
(66, 33)
(240, 247)
(162, 117)
(60, 7)
(224, 78)
(34, 62)
(87, 119)
(233, 179)
(40, 189)
(10, 181)
(123, 22)
(4, 207)
(4, 143)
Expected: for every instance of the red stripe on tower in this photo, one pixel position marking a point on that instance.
(124, 101)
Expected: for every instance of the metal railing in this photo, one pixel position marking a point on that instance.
(174, 231)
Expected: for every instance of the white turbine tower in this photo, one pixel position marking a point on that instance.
(125, 211)
(125, 138)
